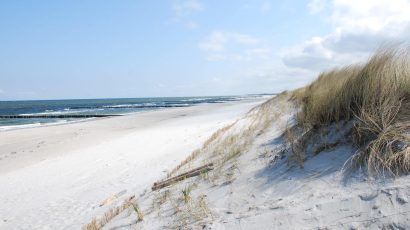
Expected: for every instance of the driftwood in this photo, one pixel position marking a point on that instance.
(194, 172)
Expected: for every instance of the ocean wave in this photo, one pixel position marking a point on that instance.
(143, 106)
(94, 107)
(39, 124)
(64, 111)
(10, 127)
(198, 99)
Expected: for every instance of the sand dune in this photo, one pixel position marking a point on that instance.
(259, 188)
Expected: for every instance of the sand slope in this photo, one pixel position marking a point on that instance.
(258, 189)
(55, 177)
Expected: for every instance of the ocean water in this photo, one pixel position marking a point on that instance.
(91, 107)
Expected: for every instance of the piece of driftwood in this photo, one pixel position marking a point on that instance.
(194, 172)
(191, 171)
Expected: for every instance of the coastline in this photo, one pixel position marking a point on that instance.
(96, 159)
(36, 113)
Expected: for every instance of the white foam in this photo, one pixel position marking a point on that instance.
(38, 124)
(10, 127)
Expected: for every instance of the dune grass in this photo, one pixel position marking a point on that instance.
(376, 95)
(229, 142)
(110, 214)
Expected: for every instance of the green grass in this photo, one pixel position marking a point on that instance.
(376, 95)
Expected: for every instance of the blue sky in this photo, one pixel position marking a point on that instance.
(101, 49)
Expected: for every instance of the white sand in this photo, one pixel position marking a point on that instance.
(259, 190)
(54, 177)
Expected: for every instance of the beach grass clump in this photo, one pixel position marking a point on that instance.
(106, 218)
(232, 140)
(186, 194)
(138, 211)
(108, 215)
(376, 95)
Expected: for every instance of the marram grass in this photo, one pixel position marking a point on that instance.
(376, 95)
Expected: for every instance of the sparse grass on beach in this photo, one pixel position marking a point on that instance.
(192, 213)
(230, 141)
(138, 211)
(223, 146)
(108, 216)
(186, 194)
(376, 95)
(235, 141)
(205, 146)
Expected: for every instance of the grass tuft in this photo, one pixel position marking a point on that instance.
(108, 216)
(138, 211)
(186, 194)
(376, 95)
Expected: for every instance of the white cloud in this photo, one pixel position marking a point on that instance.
(268, 77)
(2, 91)
(218, 40)
(185, 7)
(372, 16)
(260, 69)
(316, 6)
(183, 11)
(223, 45)
(359, 27)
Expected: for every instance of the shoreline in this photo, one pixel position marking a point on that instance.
(69, 111)
(7, 128)
(60, 168)
(77, 129)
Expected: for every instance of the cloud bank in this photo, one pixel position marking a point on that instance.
(358, 29)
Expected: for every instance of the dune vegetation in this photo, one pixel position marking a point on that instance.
(375, 96)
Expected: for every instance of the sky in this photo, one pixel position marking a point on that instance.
(133, 48)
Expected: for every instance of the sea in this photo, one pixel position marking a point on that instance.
(121, 106)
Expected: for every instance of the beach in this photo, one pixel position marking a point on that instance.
(205, 115)
(255, 182)
(55, 177)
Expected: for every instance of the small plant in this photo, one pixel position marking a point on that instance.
(204, 176)
(164, 197)
(93, 225)
(137, 210)
(108, 216)
(203, 205)
(160, 199)
(186, 195)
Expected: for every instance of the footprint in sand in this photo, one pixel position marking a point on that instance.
(369, 196)
(401, 200)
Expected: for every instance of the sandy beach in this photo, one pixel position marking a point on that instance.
(54, 177)
(205, 115)
(255, 184)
